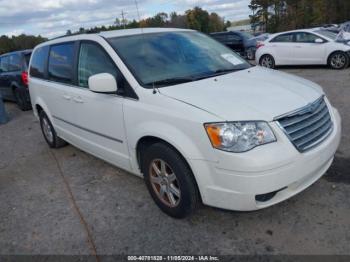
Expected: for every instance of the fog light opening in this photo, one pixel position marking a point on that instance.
(268, 196)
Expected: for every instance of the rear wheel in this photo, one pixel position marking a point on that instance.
(251, 53)
(267, 61)
(49, 132)
(170, 180)
(338, 60)
(21, 101)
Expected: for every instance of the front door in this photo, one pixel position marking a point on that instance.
(306, 51)
(99, 116)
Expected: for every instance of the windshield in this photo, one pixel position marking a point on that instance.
(328, 34)
(168, 58)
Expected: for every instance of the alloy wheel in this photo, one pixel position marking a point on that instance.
(338, 61)
(250, 54)
(164, 183)
(267, 62)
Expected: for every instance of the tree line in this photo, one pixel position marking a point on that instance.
(21, 42)
(282, 15)
(195, 18)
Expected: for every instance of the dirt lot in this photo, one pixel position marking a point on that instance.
(68, 202)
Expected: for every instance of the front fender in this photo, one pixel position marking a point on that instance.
(169, 133)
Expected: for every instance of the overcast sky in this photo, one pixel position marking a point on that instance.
(52, 18)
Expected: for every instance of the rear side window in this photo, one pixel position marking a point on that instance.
(286, 38)
(304, 37)
(4, 64)
(37, 66)
(15, 63)
(93, 60)
(61, 60)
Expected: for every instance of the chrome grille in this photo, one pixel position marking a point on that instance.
(308, 126)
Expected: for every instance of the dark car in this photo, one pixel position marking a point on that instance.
(240, 42)
(14, 78)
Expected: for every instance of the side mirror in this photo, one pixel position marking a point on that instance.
(319, 41)
(103, 83)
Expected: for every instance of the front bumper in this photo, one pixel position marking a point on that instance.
(236, 179)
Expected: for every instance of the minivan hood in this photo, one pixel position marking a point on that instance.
(252, 94)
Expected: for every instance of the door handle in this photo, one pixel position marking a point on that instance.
(67, 97)
(78, 99)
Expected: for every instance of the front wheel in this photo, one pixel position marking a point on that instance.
(267, 61)
(338, 60)
(170, 180)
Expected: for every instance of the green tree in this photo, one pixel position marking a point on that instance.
(198, 19)
(216, 23)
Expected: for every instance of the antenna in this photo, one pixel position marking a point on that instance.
(138, 14)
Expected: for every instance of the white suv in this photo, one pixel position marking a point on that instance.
(187, 114)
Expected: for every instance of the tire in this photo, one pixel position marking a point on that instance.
(49, 132)
(267, 61)
(175, 178)
(250, 53)
(338, 60)
(21, 101)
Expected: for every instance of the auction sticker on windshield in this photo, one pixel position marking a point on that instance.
(232, 59)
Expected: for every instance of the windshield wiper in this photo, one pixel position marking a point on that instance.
(170, 81)
(219, 72)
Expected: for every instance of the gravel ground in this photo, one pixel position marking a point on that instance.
(68, 202)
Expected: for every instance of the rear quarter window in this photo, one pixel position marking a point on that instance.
(38, 64)
(27, 58)
(15, 63)
(4, 64)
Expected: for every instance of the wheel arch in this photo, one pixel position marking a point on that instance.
(144, 142)
(265, 54)
(39, 106)
(336, 51)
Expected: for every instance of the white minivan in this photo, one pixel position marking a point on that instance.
(187, 114)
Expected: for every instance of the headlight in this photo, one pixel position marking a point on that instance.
(239, 136)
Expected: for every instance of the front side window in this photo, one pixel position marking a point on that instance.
(93, 60)
(169, 58)
(4, 64)
(304, 37)
(61, 63)
(14, 63)
(286, 38)
(38, 63)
